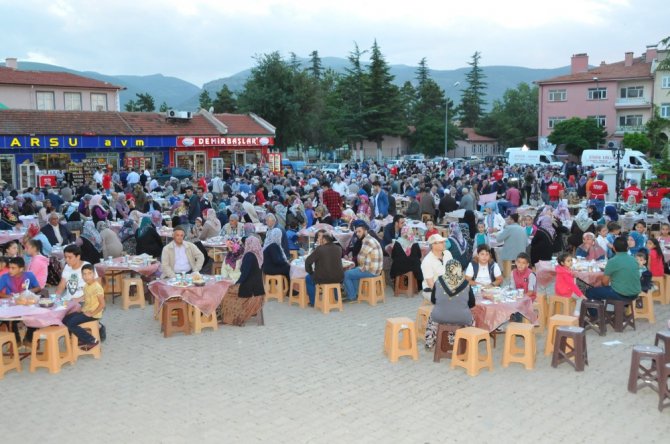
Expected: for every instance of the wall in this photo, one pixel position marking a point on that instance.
(25, 97)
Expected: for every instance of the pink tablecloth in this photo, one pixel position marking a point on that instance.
(205, 298)
(144, 270)
(491, 316)
(546, 274)
(311, 231)
(36, 317)
(6, 237)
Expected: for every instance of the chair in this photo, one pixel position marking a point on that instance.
(570, 347)
(512, 353)
(444, 349)
(561, 305)
(371, 290)
(595, 322)
(14, 361)
(126, 299)
(659, 295)
(646, 307)
(200, 321)
(554, 322)
(622, 316)
(405, 284)
(468, 339)
(174, 317)
(400, 339)
(276, 287)
(328, 297)
(422, 315)
(51, 357)
(93, 328)
(302, 299)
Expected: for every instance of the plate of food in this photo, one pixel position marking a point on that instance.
(198, 279)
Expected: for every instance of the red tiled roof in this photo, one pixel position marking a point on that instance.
(472, 136)
(243, 124)
(612, 71)
(51, 78)
(17, 122)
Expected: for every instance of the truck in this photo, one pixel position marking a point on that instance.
(634, 164)
(525, 156)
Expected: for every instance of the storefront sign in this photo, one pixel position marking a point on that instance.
(274, 162)
(201, 141)
(51, 142)
(47, 180)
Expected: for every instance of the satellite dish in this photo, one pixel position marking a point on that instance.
(211, 109)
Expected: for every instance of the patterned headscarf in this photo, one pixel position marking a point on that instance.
(210, 216)
(545, 223)
(274, 237)
(583, 220)
(457, 237)
(453, 277)
(136, 217)
(89, 232)
(406, 239)
(145, 226)
(253, 245)
(101, 225)
(156, 218)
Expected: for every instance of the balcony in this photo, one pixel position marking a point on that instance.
(632, 102)
(621, 129)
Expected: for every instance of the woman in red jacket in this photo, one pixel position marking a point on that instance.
(566, 287)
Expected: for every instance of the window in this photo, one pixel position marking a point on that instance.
(45, 100)
(554, 120)
(632, 92)
(602, 120)
(634, 120)
(72, 101)
(558, 95)
(98, 102)
(665, 82)
(665, 110)
(597, 93)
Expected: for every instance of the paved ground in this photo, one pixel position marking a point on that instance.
(310, 378)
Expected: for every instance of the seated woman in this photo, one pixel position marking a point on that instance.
(483, 270)
(320, 216)
(212, 225)
(453, 298)
(406, 256)
(245, 299)
(90, 243)
(589, 249)
(148, 239)
(274, 258)
(111, 243)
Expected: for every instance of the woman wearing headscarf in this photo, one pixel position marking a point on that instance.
(636, 243)
(493, 220)
(111, 243)
(250, 230)
(406, 255)
(98, 213)
(589, 249)
(127, 236)
(295, 213)
(453, 298)
(148, 240)
(121, 206)
(595, 215)
(90, 243)
(459, 245)
(364, 206)
(542, 245)
(222, 213)
(156, 218)
(562, 212)
(212, 226)
(611, 214)
(280, 214)
(580, 225)
(274, 258)
(140, 197)
(245, 299)
(470, 220)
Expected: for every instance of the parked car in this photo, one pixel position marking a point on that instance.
(180, 173)
(333, 168)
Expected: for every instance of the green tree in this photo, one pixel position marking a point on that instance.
(577, 134)
(381, 101)
(637, 141)
(225, 101)
(316, 68)
(408, 100)
(144, 103)
(131, 106)
(655, 132)
(513, 119)
(164, 107)
(664, 65)
(429, 117)
(349, 100)
(205, 100)
(472, 100)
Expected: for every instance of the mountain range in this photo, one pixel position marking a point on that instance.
(183, 95)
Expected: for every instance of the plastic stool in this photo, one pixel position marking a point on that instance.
(405, 284)
(93, 328)
(664, 337)
(51, 358)
(658, 295)
(554, 322)
(14, 362)
(647, 309)
(443, 349)
(663, 390)
(512, 353)
(542, 308)
(470, 359)
(178, 308)
(650, 376)
(596, 322)
(126, 300)
(566, 306)
(422, 315)
(400, 339)
(623, 314)
(371, 290)
(200, 320)
(276, 286)
(326, 298)
(302, 299)
(564, 351)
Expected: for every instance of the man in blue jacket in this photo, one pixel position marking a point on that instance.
(381, 200)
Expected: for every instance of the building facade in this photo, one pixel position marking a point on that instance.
(476, 145)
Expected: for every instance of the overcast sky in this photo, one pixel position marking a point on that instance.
(202, 40)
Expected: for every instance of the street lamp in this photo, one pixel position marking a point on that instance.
(617, 153)
(446, 122)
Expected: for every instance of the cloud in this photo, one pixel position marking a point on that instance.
(40, 58)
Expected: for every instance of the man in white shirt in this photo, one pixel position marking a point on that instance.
(340, 186)
(133, 178)
(433, 265)
(72, 283)
(97, 176)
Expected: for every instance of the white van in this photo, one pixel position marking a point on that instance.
(631, 159)
(520, 156)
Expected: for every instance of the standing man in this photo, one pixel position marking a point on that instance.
(381, 201)
(107, 182)
(193, 205)
(598, 193)
(340, 186)
(427, 204)
(133, 178)
(180, 256)
(654, 196)
(333, 201)
(633, 191)
(516, 240)
(555, 191)
(370, 262)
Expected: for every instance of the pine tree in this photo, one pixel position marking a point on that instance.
(205, 100)
(472, 101)
(225, 101)
(349, 97)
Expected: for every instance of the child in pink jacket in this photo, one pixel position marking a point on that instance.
(566, 286)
